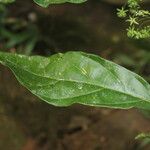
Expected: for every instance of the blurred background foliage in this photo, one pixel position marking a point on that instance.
(47, 31)
(91, 27)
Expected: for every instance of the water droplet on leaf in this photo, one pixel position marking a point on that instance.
(80, 86)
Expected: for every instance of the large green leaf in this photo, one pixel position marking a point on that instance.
(45, 3)
(76, 77)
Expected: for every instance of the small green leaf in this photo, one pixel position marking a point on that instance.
(143, 136)
(45, 3)
(6, 1)
(76, 77)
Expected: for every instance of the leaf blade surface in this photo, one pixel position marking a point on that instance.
(76, 77)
